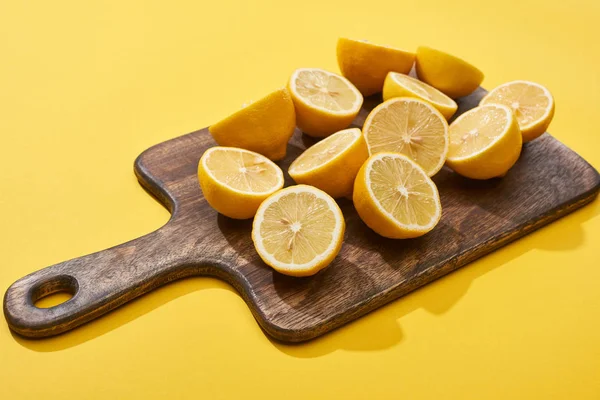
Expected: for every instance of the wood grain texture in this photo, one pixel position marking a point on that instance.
(548, 182)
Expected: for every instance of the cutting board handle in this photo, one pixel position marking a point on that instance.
(99, 282)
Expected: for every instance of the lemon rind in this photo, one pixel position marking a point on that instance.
(383, 46)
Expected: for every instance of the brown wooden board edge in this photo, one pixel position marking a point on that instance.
(426, 276)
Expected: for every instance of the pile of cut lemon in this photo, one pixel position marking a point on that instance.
(385, 168)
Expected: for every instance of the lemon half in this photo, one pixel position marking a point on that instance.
(235, 181)
(485, 142)
(332, 164)
(325, 102)
(400, 85)
(366, 64)
(532, 104)
(411, 127)
(394, 196)
(298, 231)
(451, 75)
(264, 126)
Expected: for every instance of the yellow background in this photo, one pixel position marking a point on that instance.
(85, 86)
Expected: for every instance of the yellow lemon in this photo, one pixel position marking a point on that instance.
(532, 104)
(325, 102)
(332, 164)
(264, 126)
(366, 64)
(394, 196)
(235, 181)
(400, 85)
(411, 127)
(485, 142)
(299, 230)
(447, 73)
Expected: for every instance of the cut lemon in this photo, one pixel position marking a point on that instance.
(325, 102)
(264, 126)
(235, 181)
(298, 231)
(447, 73)
(485, 142)
(400, 85)
(332, 164)
(532, 104)
(411, 127)
(366, 64)
(395, 197)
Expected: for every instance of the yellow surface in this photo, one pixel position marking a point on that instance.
(85, 86)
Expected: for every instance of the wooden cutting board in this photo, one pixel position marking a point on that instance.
(548, 182)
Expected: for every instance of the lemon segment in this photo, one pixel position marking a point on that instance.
(411, 127)
(366, 64)
(264, 126)
(394, 196)
(298, 231)
(235, 181)
(449, 74)
(485, 142)
(325, 102)
(400, 85)
(532, 104)
(332, 164)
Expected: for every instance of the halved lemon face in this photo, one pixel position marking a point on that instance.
(532, 104)
(401, 85)
(243, 171)
(298, 231)
(410, 127)
(325, 151)
(235, 181)
(477, 130)
(395, 197)
(325, 90)
(485, 142)
(325, 102)
(332, 164)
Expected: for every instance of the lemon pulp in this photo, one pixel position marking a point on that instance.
(325, 90)
(242, 171)
(411, 127)
(404, 192)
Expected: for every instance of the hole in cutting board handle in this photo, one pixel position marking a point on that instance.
(55, 291)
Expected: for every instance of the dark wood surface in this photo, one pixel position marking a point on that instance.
(548, 182)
